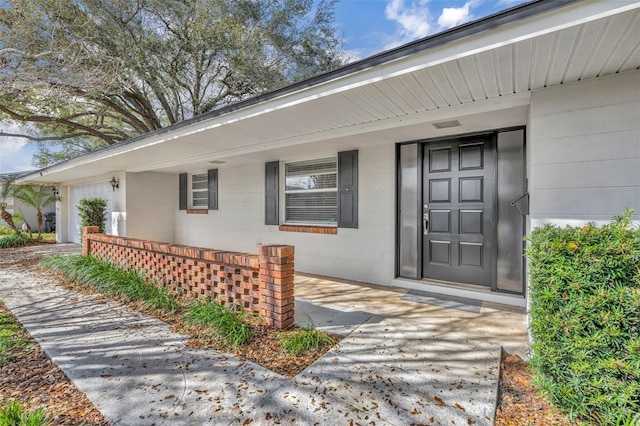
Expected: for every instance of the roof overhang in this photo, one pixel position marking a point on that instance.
(491, 65)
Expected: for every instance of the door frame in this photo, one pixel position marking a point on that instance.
(419, 234)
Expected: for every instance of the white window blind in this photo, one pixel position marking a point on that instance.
(311, 195)
(199, 191)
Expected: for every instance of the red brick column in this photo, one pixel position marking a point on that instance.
(86, 243)
(276, 284)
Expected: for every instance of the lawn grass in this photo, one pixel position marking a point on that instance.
(11, 342)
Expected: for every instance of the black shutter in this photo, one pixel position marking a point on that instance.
(182, 200)
(348, 189)
(213, 189)
(272, 184)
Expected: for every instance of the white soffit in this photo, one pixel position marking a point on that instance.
(581, 41)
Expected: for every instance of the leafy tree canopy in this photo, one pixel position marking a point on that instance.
(90, 73)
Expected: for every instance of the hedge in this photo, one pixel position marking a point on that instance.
(585, 318)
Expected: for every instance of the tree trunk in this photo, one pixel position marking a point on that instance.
(6, 216)
(40, 221)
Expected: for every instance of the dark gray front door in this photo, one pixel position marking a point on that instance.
(458, 210)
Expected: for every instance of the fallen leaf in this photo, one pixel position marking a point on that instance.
(438, 400)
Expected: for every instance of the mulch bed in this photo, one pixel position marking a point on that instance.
(518, 401)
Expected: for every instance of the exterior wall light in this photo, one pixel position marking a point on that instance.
(114, 183)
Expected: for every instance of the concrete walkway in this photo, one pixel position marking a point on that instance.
(400, 363)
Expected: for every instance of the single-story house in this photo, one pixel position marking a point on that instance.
(421, 167)
(16, 206)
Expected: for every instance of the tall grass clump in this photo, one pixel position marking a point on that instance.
(585, 318)
(13, 240)
(129, 286)
(304, 339)
(228, 322)
(13, 414)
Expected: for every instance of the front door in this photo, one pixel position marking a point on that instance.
(459, 190)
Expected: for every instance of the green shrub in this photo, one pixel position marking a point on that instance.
(93, 212)
(585, 318)
(102, 276)
(225, 321)
(13, 240)
(13, 414)
(6, 231)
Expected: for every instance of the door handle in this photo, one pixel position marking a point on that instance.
(425, 222)
(522, 204)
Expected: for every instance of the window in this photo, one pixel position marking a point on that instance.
(311, 193)
(199, 191)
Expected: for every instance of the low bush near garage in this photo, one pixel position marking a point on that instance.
(585, 318)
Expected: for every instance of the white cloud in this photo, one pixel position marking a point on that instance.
(15, 153)
(454, 16)
(413, 20)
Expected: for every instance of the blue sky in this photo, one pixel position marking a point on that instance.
(367, 27)
(372, 26)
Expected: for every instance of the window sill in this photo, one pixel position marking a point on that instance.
(327, 230)
(197, 211)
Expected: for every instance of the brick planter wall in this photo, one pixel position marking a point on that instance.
(260, 283)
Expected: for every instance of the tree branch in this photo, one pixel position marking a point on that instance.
(56, 120)
(44, 138)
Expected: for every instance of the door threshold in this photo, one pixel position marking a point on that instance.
(465, 286)
(461, 290)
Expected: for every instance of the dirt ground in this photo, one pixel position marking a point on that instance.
(32, 377)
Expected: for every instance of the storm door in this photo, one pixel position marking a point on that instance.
(458, 212)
